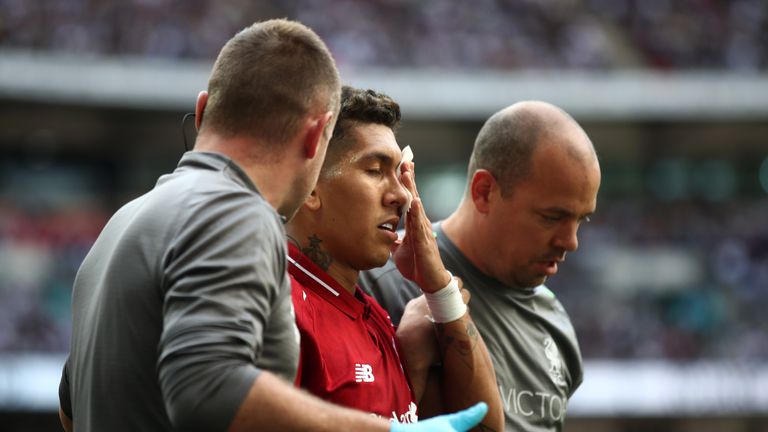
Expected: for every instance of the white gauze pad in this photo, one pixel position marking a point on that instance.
(406, 156)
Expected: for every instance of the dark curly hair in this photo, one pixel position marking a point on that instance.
(359, 107)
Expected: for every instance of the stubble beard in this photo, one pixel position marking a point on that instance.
(297, 195)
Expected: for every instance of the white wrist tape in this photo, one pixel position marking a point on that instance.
(446, 304)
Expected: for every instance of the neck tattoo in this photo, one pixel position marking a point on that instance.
(316, 254)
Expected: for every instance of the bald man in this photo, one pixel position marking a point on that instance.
(533, 179)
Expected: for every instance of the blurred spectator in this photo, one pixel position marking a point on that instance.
(716, 311)
(489, 34)
(40, 253)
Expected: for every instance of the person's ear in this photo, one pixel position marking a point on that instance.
(314, 136)
(313, 202)
(202, 100)
(482, 188)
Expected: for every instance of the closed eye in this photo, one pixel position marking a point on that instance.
(552, 218)
(556, 218)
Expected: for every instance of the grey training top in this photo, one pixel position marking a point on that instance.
(528, 333)
(180, 303)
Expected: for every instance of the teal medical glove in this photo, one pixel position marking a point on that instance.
(459, 421)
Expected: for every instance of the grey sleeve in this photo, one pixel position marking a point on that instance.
(389, 288)
(220, 280)
(65, 400)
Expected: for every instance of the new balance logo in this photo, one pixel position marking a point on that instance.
(363, 373)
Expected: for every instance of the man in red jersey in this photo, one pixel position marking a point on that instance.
(349, 350)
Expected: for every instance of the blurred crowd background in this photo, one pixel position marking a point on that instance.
(496, 34)
(673, 266)
(705, 225)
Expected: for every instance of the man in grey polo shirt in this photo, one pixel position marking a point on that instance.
(183, 300)
(182, 315)
(532, 180)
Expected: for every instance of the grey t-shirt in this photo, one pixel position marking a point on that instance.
(528, 333)
(180, 303)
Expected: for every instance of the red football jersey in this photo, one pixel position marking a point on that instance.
(348, 347)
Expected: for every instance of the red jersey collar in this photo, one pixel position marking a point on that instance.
(312, 277)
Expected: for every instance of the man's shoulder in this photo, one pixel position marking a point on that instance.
(208, 196)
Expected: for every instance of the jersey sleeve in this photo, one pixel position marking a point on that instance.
(221, 275)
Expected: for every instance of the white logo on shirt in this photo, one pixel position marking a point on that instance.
(547, 406)
(408, 417)
(363, 373)
(555, 362)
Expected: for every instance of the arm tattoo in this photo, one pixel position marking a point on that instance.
(316, 254)
(463, 343)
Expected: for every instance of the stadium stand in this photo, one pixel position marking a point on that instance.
(673, 93)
